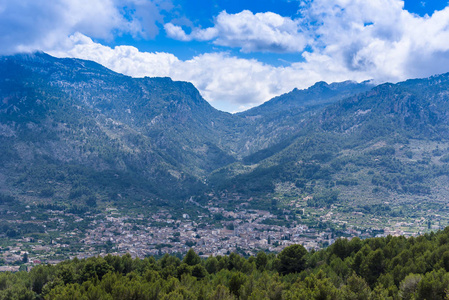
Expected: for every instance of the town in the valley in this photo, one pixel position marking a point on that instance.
(214, 231)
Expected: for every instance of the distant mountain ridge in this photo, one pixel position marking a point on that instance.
(318, 94)
(72, 130)
(385, 144)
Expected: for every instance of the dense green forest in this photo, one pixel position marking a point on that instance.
(376, 268)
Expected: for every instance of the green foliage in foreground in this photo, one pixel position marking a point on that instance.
(377, 268)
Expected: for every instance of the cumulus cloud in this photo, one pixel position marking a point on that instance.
(261, 32)
(27, 25)
(376, 37)
(127, 60)
(335, 40)
(379, 37)
(357, 39)
(228, 82)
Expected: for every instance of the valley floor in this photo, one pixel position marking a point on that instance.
(212, 231)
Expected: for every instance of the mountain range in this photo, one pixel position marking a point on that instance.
(72, 131)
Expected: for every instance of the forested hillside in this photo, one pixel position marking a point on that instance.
(79, 137)
(72, 131)
(389, 144)
(377, 268)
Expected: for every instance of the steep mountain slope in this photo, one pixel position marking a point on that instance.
(72, 131)
(75, 124)
(387, 144)
(273, 124)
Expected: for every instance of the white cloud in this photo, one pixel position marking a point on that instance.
(176, 32)
(229, 83)
(380, 38)
(123, 59)
(348, 39)
(27, 25)
(345, 39)
(261, 32)
(377, 37)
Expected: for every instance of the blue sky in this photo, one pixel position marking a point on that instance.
(238, 53)
(201, 13)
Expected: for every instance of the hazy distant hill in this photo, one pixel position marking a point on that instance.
(72, 130)
(319, 94)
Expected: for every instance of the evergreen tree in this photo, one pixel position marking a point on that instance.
(191, 258)
(292, 259)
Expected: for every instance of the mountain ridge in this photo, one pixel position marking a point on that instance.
(158, 139)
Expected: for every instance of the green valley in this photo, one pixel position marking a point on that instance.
(89, 154)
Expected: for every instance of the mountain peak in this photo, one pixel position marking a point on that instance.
(319, 84)
(318, 94)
